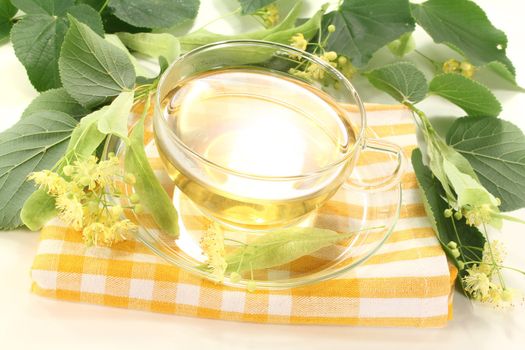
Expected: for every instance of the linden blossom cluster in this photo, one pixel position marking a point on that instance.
(83, 198)
(479, 281)
(314, 71)
(454, 66)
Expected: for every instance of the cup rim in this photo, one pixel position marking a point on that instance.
(348, 85)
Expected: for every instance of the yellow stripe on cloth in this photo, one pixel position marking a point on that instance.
(408, 282)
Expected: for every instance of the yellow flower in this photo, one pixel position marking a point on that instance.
(120, 231)
(494, 252)
(329, 56)
(269, 15)
(49, 181)
(450, 66)
(70, 210)
(476, 216)
(299, 42)
(212, 244)
(315, 71)
(105, 171)
(84, 173)
(94, 232)
(477, 283)
(84, 198)
(467, 69)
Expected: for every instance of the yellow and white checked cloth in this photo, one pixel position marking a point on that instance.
(408, 282)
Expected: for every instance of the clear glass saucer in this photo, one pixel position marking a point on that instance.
(372, 215)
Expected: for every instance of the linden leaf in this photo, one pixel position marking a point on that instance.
(140, 70)
(152, 195)
(464, 27)
(153, 44)
(401, 80)
(155, 13)
(56, 100)
(496, 150)
(363, 26)
(92, 69)
(34, 143)
(7, 11)
(37, 40)
(473, 97)
(50, 7)
(281, 246)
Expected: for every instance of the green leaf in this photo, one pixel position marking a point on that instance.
(140, 71)
(93, 70)
(464, 27)
(32, 144)
(402, 46)
(155, 13)
(153, 45)
(37, 210)
(446, 229)
(401, 80)
(496, 150)
(250, 6)
(96, 4)
(49, 7)
(363, 26)
(56, 100)
(281, 246)
(152, 195)
(470, 193)
(87, 15)
(113, 119)
(502, 70)
(202, 36)
(84, 141)
(7, 11)
(37, 40)
(471, 96)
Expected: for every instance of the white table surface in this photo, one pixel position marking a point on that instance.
(28, 321)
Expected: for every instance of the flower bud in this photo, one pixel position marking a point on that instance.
(129, 179)
(458, 216)
(455, 253)
(235, 277)
(448, 213)
(331, 28)
(251, 286)
(452, 245)
(134, 198)
(68, 170)
(330, 55)
(461, 265)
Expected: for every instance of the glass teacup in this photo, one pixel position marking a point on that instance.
(259, 134)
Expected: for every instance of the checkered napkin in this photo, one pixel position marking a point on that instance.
(406, 283)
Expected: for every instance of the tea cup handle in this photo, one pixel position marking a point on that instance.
(385, 182)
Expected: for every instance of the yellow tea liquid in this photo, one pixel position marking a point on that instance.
(258, 131)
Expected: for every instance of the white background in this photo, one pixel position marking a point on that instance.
(28, 321)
